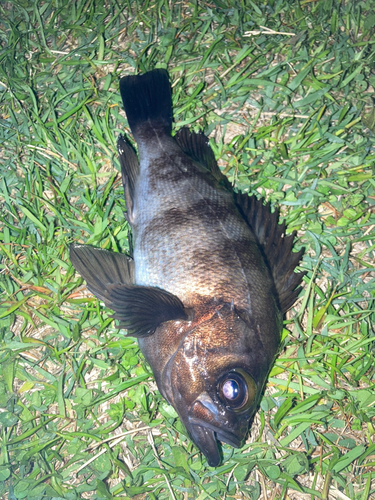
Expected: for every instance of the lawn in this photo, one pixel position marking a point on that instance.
(285, 91)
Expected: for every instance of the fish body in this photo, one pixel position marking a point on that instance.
(211, 276)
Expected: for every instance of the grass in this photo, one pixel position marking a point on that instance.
(285, 90)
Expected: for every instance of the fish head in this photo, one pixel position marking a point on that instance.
(215, 378)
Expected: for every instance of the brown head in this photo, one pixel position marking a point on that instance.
(213, 375)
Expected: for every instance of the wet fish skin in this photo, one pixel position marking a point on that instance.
(213, 273)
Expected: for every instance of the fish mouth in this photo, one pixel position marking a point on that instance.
(206, 437)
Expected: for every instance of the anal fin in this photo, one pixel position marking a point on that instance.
(129, 171)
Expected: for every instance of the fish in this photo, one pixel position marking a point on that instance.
(211, 274)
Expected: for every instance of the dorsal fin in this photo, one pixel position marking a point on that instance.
(198, 148)
(276, 247)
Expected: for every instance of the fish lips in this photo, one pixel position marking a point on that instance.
(206, 438)
(207, 425)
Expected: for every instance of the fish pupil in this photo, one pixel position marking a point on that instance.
(231, 390)
(236, 390)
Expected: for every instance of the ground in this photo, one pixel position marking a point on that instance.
(284, 90)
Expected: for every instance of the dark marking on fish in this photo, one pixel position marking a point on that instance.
(202, 213)
(159, 175)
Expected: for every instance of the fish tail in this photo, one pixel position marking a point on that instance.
(147, 101)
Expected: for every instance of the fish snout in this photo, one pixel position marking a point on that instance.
(209, 423)
(222, 420)
(204, 407)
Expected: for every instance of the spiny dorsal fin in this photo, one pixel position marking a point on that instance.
(276, 247)
(110, 277)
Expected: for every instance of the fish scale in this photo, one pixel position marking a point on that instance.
(211, 276)
(212, 265)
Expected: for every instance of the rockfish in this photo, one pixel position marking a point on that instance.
(211, 276)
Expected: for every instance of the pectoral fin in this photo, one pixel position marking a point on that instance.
(110, 277)
(141, 309)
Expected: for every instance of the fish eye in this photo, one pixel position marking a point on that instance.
(237, 390)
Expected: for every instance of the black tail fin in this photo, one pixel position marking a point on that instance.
(147, 100)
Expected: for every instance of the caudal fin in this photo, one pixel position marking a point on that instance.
(147, 101)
